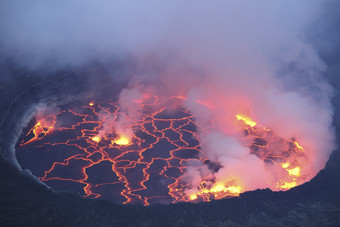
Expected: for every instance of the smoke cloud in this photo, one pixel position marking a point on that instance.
(225, 57)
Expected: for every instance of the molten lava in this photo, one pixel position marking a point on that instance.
(276, 150)
(42, 128)
(246, 120)
(149, 166)
(218, 191)
(96, 139)
(122, 140)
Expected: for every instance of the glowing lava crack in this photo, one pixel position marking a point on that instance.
(67, 151)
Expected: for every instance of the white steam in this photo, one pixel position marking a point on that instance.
(120, 123)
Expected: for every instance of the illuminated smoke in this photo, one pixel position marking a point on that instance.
(121, 124)
(226, 58)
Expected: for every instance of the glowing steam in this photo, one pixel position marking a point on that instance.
(120, 124)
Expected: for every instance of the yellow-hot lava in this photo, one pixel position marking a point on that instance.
(286, 185)
(294, 175)
(294, 172)
(193, 196)
(218, 191)
(298, 146)
(270, 148)
(41, 129)
(285, 165)
(122, 141)
(91, 104)
(96, 139)
(246, 120)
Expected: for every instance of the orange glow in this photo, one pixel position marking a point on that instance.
(267, 146)
(122, 141)
(246, 120)
(91, 104)
(206, 103)
(294, 172)
(96, 139)
(41, 129)
(298, 146)
(218, 191)
(236, 190)
(286, 185)
(285, 165)
(193, 197)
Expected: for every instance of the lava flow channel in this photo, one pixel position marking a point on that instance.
(67, 151)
